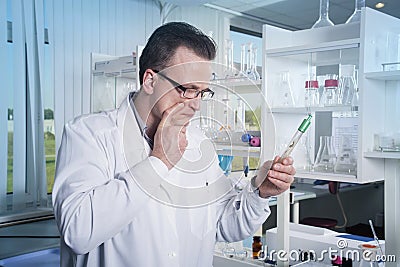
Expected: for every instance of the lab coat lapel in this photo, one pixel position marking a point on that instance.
(134, 146)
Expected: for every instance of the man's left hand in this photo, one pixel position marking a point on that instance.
(276, 180)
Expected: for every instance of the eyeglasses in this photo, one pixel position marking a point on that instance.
(189, 93)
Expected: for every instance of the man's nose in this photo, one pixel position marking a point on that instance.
(195, 103)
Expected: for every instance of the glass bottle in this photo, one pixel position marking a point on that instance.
(256, 246)
(311, 97)
(323, 20)
(326, 156)
(283, 94)
(347, 84)
(330, 93)
(346, 161)
(356, 16)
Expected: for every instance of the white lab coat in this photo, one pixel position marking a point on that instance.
(107, 219)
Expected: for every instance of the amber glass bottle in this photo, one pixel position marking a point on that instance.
(257, 246)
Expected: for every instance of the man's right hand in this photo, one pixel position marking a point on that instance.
(170, 138)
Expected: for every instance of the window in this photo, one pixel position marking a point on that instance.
(28, 136)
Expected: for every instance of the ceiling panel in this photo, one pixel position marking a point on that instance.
(301, 14)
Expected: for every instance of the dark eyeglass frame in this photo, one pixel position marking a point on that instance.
(184, 89)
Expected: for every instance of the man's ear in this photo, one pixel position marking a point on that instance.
(149, 80)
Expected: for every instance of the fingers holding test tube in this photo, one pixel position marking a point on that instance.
(277, 178)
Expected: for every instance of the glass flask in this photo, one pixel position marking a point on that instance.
(347, 84)
(323, 20)
(356, 16)
(253, 75)
(250, 61)
(229, 68)
(207, 121)
(346, 161)
(326, 156)
(284, 94)
(311, 96)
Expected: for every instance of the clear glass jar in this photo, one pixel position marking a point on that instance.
(311, 97)
(330, 93)
(323, 20)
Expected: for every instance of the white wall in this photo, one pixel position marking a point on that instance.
(79, 27)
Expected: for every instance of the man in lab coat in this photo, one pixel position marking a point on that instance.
(141, 185)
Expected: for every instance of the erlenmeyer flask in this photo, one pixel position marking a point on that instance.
(253, 75)
(346, 160)
(356, 16)
(283, 94)
(326, 156)
(323, 20)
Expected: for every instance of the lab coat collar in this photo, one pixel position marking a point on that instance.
(134, 146)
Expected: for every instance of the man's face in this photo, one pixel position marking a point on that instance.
(188, 70)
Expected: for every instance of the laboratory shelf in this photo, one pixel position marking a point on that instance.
(327, 176)
(384, 75)
(239, 85)
(307, 110)
(316, 47)
(382, 155)
(238, 150)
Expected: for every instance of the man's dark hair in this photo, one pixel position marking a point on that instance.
(164, 41)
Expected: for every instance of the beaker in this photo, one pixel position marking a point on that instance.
(347, 84)
(283, 94)
(326, 156)
(323, 20)
(356, 16)
(346, 161)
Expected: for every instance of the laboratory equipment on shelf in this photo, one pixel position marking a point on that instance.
(346, 161)
(229, 66)
(242, 72)
(323, 19)
(356, 16)
(251, 70)
(347, 84)
(326, 156)
(330, 93)
(283, 94)
(311, 96)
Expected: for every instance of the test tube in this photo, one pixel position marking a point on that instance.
(296, 137)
